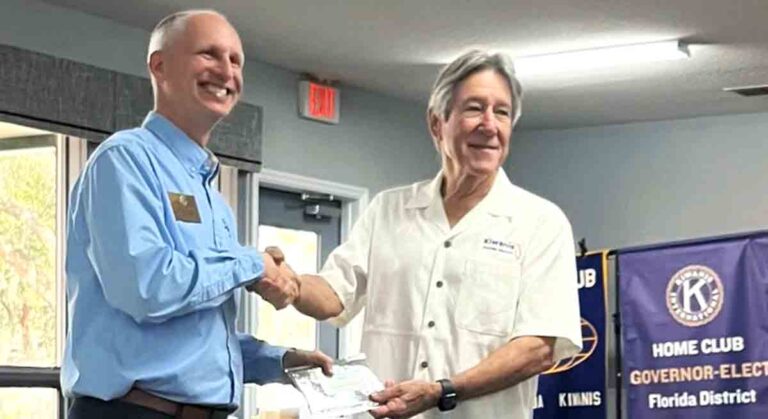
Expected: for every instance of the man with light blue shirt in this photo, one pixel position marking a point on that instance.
(154, 267)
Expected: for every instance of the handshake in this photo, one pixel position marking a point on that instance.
(279, 285)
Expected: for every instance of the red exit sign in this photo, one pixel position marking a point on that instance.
(319, 102)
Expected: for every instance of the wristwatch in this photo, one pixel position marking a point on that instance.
(447, 400)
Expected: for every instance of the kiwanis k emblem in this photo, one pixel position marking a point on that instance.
(694, 295)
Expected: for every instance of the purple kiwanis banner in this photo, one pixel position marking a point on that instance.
(575, 387)
(695, 329)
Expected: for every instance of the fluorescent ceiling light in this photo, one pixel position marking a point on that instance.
(590, 59)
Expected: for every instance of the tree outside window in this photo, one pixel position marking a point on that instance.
(28, 283)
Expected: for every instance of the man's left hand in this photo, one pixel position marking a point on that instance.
(299, 358)
(406, 399)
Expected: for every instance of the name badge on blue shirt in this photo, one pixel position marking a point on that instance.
(184, 207)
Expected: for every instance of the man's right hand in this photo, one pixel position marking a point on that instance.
(279, 285)
(312, 295)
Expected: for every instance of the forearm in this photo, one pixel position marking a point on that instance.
(317, 299)
(513, 363)
(161, 283)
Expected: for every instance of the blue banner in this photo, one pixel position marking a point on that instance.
(575, 387)
(695, 329)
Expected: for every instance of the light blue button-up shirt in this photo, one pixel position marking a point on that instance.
(153, 299)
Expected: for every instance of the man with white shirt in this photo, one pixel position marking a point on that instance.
(469, 282)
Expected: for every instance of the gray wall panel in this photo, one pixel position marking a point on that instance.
(54, 89)
(238, 136)
(132, 101)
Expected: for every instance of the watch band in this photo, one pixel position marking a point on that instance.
(447, 400)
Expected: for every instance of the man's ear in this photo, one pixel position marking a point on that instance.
(156, 65)
(434, 123)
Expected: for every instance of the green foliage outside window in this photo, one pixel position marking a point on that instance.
(28, 295)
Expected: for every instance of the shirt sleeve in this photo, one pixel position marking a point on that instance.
(346, 269)
(130, 247)
(549, 301)
(262, 362)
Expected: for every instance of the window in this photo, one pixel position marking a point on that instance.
(28, 252)
(32, 206)
(28, 403)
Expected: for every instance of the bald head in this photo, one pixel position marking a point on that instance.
(172, 26)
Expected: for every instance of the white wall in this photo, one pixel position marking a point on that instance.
(651, 182)
(380, 142)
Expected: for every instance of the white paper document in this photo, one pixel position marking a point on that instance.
(345, 393)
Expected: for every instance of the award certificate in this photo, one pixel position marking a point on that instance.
(344, 393)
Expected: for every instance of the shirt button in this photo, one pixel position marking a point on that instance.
(424, 364)
(447, 244)
(431, 324)
(439, 284)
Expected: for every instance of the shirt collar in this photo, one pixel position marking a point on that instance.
(195, 158)
(426, 193)
(499, 200)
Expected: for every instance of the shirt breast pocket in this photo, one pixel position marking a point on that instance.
(488, 296)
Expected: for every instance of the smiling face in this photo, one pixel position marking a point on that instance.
(474, 140)
(199, 72)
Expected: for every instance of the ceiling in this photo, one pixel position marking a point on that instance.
(397, 46)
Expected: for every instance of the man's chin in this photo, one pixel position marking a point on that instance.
(218, 112)
(483, 168)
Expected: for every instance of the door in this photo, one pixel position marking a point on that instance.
(306, 228)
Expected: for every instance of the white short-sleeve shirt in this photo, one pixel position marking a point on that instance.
(439, 299)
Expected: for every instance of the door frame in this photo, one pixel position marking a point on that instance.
(354, 200)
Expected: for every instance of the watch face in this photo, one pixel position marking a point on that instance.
(447, 403)
(447, 400)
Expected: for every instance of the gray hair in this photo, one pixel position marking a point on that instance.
(441, 98)
(172, 25)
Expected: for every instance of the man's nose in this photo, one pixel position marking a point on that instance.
(488, 123)
(225, 69)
